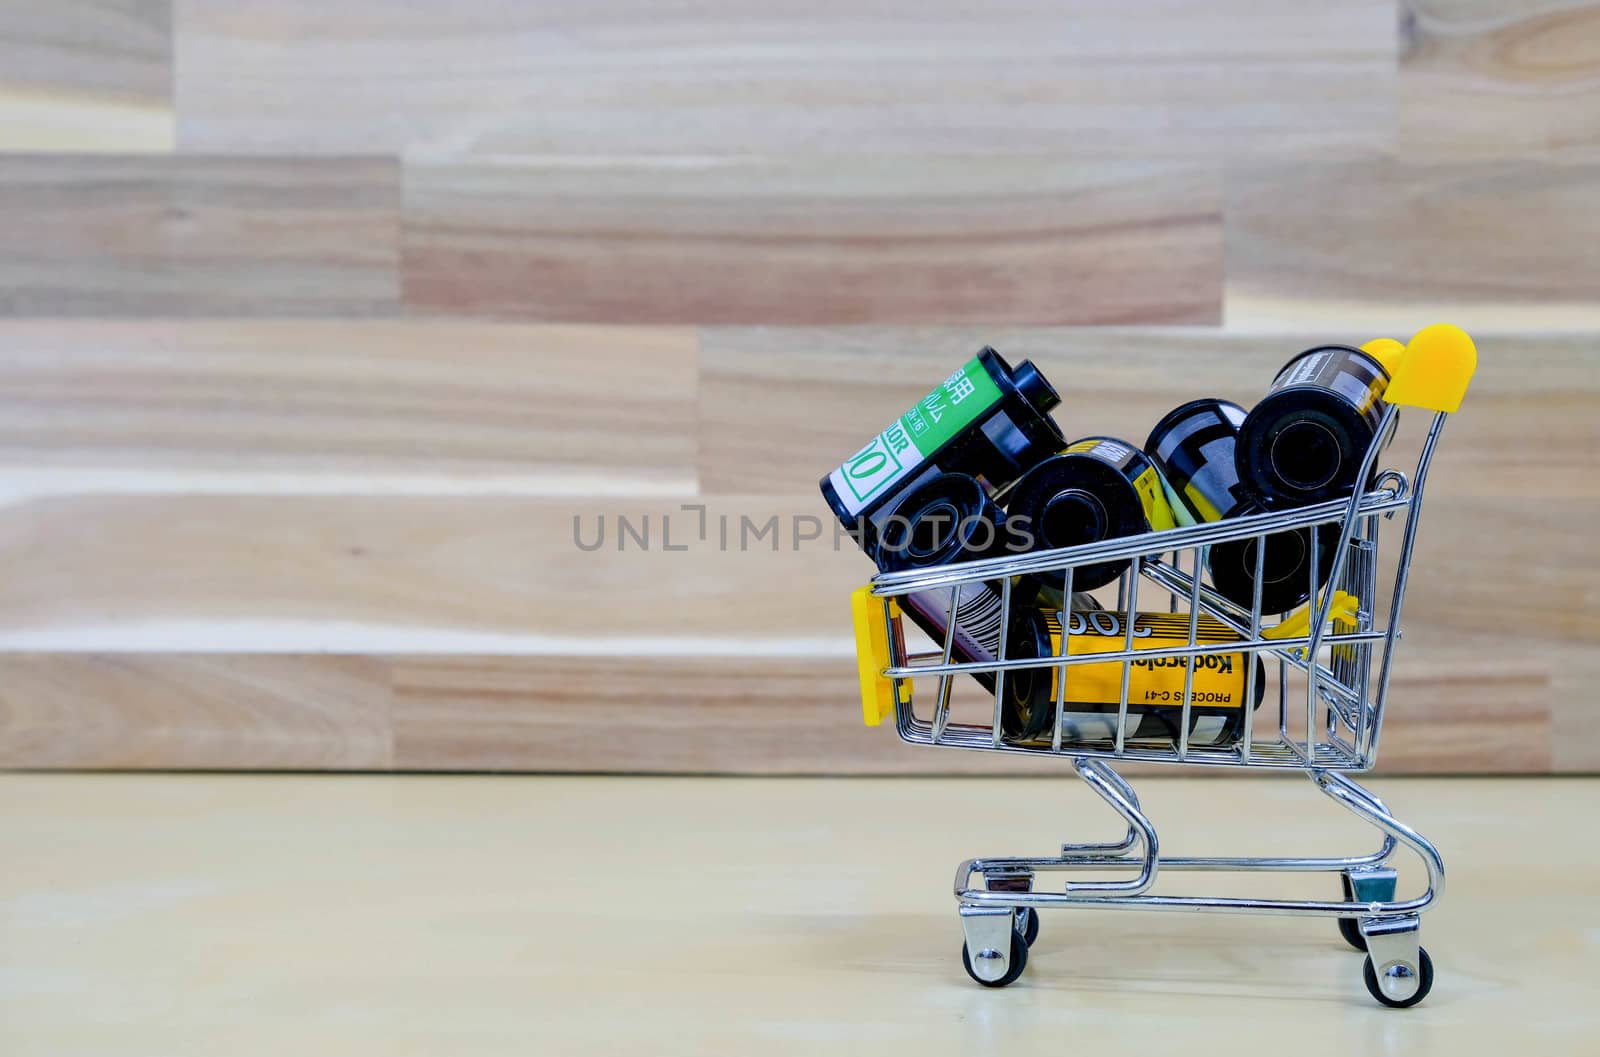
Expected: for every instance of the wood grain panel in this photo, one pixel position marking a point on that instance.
(782, 406)
(506, 574)
(261, 407)
(251, 516)
(191, 236)
(502, 574)
(1452, 709)
(1511, 79)
(1574, 673)
(1486, 246)
(86, 75)
(493, 632)
(193, 711)
(629, 76)
(1483, 670)
(1043, 240)
(774, 715)
(405, 573)
(671, 714)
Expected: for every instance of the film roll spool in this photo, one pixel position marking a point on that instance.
(1195, 448)
(1304, 442)
(1098, 488)
(1155, 687)
(988, 421)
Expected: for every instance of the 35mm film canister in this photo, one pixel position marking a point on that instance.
(988, 420)
(1304, 442)
(1195, 447)
(949, 518)
(1285, 566)
(1155, 687)
(1099, 488)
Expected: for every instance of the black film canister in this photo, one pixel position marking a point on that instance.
(946, 518)
(1305, 441)
(1285, 566)
(949, 518)
(1099, 488)
(1195, 447)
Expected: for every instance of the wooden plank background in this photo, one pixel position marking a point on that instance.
(327, 331)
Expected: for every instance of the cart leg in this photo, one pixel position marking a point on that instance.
(1116, 792)
(1372, 810)
(994, 954)
(1130, 838)
(1398, 971)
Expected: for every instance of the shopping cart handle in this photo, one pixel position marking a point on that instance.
(872, 654)
(1386, 351)
(1434, 369)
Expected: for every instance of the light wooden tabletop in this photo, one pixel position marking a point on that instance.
(173, 915)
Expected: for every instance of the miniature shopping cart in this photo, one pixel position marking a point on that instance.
(1332, 673)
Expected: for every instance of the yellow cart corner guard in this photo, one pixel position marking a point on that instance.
(872, 654)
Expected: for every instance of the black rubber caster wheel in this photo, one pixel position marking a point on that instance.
(1027, 925)
(1424, 985)
(1019, 962)
(1350, 928)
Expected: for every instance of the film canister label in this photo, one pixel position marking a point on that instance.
(873, 472)
(1359, 379)
(1217, 685)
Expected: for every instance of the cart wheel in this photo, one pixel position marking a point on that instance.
(1027, 924)
(1350, 928)
(1424, 973)
(1019, 962)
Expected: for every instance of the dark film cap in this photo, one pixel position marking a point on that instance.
(1033, 387)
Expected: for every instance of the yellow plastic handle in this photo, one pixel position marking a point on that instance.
(872, 654)
(1386, 351)
(1434, 369)
(1297, 625)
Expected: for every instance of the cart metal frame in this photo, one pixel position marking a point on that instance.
(1333, 733)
